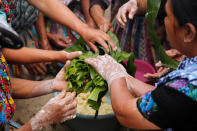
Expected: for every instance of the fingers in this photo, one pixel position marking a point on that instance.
(61, 95)
(73, 54)
(92, 46)
(123, 16)
(68, 99)
(63, 70)
(43, 67)
(103, 43)
(91, 61)
(120, 21)
(72, 105)
(111, 43)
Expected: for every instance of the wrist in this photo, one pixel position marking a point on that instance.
(36, 122)
(141, 6)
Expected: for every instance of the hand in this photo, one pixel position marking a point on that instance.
(91, 36)
(162, 70)
(129, 8)
(90, 22)
(36, 69)
(59, 40)
(107, 67)
(64, 56)
(104, 25)
(59, 83)
(45, 44)
(58, 109)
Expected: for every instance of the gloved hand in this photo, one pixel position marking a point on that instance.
(58, 109)
(107, 67)
(129, 8)
(110, 70)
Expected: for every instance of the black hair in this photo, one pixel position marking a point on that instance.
(185, 11)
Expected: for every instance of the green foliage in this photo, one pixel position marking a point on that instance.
(151, 14)
(83, 78)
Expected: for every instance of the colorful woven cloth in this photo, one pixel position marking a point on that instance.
(181, 85)
(7, 7)
(7, 105)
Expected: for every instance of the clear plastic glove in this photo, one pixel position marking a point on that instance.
(110, 70)
(107, 67)
(58, 109)
(59, 82)
(130, 9)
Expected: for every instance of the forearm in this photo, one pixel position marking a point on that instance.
(27, 89)
(41, 30)
(26, 127)
(30, 55)
(85, 7)
(97, 14)
(119, 95)
(60, 13)
(138, 87)
(142, 6)
(40, 27)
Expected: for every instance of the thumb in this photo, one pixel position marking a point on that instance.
(74, 54)
(62, 72)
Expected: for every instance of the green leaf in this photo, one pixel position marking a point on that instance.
(151, 14)
(95, 93)
(131, 67)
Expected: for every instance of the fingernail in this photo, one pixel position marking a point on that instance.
(80, 52)
(115, 48)
(87, 60)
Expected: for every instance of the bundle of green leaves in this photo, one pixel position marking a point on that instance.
(83, 78)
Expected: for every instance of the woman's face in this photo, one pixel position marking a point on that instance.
(174, 31)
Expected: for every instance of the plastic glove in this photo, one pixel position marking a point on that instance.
(58, 109)
(59, 82)
(129, 8)
(107, 67)
(110, 70)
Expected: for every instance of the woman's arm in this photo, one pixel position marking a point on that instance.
(40, 28)
(30, 55)
(125, 108)
(58, 109)
(85, 7)
(137, 87)
(27, 88)
(123, 103)
(60, 13)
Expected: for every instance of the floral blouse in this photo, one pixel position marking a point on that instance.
(7, 105)
(7, 7)
(175, 92)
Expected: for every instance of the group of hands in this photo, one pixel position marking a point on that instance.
(90, 35)
(63, 107)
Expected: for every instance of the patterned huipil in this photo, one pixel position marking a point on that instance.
(176, 96)
(7, 105)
